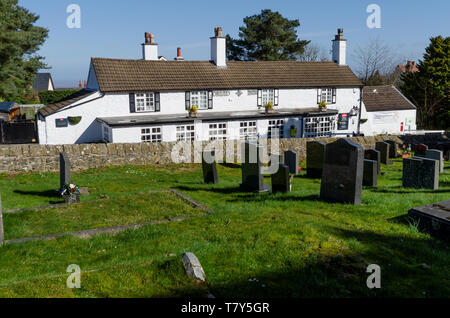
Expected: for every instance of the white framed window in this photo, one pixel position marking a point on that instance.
(106, 134)
(200, 99)
(274, 125)
(268, 95)
(322, 126)
(218, 131)
(326, 94)
(248, 130)
(152, 134)
(145, 102)
(186, 133)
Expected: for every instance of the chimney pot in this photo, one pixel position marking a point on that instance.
(179, 57)
(218, 32)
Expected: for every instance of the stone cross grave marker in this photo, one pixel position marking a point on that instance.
(342, 172)
(372, 154)
(315, 154)
(436, 155)
(291, 160)
(383, 148)
(281, 181)
(420, 173)
(209, 167)
(64, 171)
(370, 176)
(252, 178)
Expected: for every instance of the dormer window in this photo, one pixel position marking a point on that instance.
(144, 102)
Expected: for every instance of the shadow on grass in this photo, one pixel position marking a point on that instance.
(407, 190)
(227, 190)
(230, 165)
(48, 193)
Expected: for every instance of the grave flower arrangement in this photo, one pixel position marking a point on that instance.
(70, 189)
(406, 153)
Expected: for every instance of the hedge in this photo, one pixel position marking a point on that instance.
(51, 97)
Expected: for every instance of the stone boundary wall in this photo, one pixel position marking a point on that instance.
(45, 158)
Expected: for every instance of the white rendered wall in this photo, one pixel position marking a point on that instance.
(389, 122)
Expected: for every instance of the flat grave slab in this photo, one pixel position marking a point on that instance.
(434, 218)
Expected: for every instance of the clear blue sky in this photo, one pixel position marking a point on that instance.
(111, 28)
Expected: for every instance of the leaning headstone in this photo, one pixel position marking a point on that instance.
(193, 267)
(342, 172)
(315, 152)
(64, 171)
(291, 160)
(252, 178)
(209, 167)
(420, 150)
(2, 232)
(383, 148)
(420, 173)
(433, 218)
(393, 148)
(370, 176)
(372, 154)
(281, 181)
(436, 155)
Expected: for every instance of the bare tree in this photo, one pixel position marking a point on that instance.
(314, 53)
(375, 56)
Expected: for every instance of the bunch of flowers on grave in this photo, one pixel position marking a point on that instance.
(70, 189)
(406, 152)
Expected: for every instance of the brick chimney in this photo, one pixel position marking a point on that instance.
(339, 48)
(150, 48)
(219, 48)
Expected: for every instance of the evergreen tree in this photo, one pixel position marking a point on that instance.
(20, 39)
(267, 36)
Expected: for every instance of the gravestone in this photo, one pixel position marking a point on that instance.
(433, 218)
(252, 178)
(372, 154)
(420, 150)
(343, 170)
(420, 173)
(370, 175)
(383, 148)
(436, 155)
(291, 160)
(315, 154)
(209, 167)
(393, 148)
(281, 181)
(2, 232)
(64, 171)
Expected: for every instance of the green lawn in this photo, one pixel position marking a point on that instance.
(254, 245)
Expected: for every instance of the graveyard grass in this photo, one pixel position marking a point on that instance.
(254, 245)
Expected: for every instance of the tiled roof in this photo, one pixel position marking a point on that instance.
(53, 108)
(5, 107)
(385, 98)
(139, 75)
(41, 82)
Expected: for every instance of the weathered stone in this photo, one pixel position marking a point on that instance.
(291, 160)
(436, 155)
(342, 172)
(209, 167)
(281, 181)
(252, 178)
(72, 198)
(420, 173)
(315, 154)
(370, 176)
(193, 267)
(393, 148)
(372, 154)
(433, 218)
(383, 148)
(64, 171)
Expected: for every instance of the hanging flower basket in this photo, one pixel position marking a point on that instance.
(74, 120)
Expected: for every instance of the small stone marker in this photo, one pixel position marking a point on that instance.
(281, 181)
(372, 154)
(434, 218)
(252, 178)
(370, 176)
(291, 160)
(193, 267)
(209, 167)
(64, 171)
(342, 172)
(383, 148)
(436, 155)
(2, 232)
(420, 173)
(420, 150)
(315, 154)
(393, 148)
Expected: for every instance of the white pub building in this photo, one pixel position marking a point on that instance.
(148, 100)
